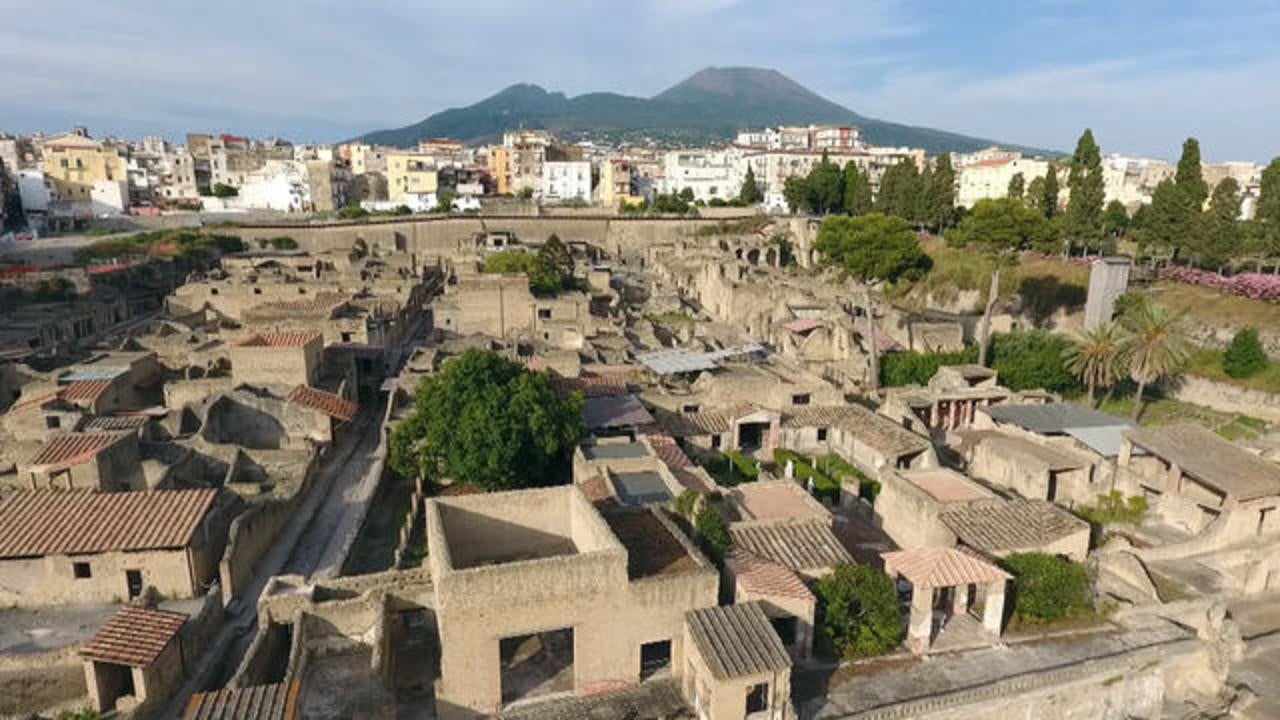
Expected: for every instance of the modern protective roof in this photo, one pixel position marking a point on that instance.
(940, 567)
(640, 488)
(677, 360)
(613, 412)
(34, 523)
(1052, 418)
(278, 701)
(796, 544)
(332, 405)
(1211, 460)
(64, 451)
(999, 526)
(736, 640)
(134, 636)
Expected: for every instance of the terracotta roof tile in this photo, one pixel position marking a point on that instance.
(1003, 525)
(941, 567)
(34, 523)
(873, 429)
(134, 636)
(85, 390)
(591, 386)
(799, 545)
(759, 576)
(64, 451)
(280, 339)
(321, 306)
(35, 401)
(325, 402)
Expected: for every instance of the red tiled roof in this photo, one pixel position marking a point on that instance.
(940, 567)
(759, 576)
(134, 636)
(280, 339)
(35, 401)
(597, 489)
(34, 523)
(592, 386)
(85, 390)
(63, 451)
(322, 305)
(327, 403)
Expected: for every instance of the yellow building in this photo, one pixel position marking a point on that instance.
(500, 169)
(410, 173)
(75, 162)
(615, 186)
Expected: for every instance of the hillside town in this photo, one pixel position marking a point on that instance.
(792, 427)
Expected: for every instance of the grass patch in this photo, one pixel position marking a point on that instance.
(1114, 508)
(1207, 362)
(1162, 412)
(825, 485)
(731, 468)
(1215, 308)
(672, 319)
(1169, 590)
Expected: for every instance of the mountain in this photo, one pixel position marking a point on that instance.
(712, 105)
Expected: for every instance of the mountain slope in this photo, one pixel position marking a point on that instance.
(712, 105)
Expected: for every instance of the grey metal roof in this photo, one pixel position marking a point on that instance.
(1053, 417)
(611, 412)
(677, 360)
(640, 488)
(1103, 440)
(615, 451)
(737, 640)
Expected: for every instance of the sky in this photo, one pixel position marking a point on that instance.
(1144, 74)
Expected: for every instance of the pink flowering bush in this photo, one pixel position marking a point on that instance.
(1250, 285)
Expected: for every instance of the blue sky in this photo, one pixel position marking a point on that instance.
(1144, 74)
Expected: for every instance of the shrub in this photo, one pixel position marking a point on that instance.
(283, 243)
(1032, 360)
(857, 614)
(352, 212)
(823, 484)
(1047, 587)
(713, 535)
(731, 468)
(916, 368)
(686, 502)
(1113, 507)
(222, 190)
(1245, 356)
(1251, 285)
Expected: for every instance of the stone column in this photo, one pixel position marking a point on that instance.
(993, 612)
(920, 624)
(960, 600)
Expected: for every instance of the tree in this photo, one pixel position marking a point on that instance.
(1048, 197)
(825, 188)
(686, 194)
(1032, 359)
(795, 190)
(1267, 213)
(899, 190)
(1221, 237)
(1115, 219)
(1244, 356)
(750, 192)
(1189, 176)
(1155, 344)
(999, 228)
(857, 613)
(223, 190)
(1167, 223)
(552, 269)
(1047, 587)
(940, 195)
(1017, 186)
(871, 247)
(857, 191)
(1084, 210)
(1094, 357)
(713, 534)
(487, 421)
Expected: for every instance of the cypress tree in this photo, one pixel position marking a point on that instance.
(1084, 210)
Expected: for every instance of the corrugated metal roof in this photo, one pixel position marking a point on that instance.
(737, 640)
(34, 523)
(800, 545)
(134, 636)
(63, 451)
(278, 701)
(325, 402)
(1052, 417)
(940, 567)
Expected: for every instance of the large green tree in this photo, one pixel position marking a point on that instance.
(1190, 175)
(1083, 222)
(871, 247)
(1115, 219)
(857, 613)
(857, 191)
(1048, 195)
(750, 192)
(1017, 186)
(826, 187)
(940, 196)
(552, 271)
(489, 422)
(900, 191)
(1094, 357)
(1220, 238)
(1267, 213)
(1168, 223)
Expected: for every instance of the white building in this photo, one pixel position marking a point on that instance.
(989, 179)
(35, 191)
(709, 174)
(566, 181)
(279, 185)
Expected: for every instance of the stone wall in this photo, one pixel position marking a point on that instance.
(50, 580)
(1224, 397)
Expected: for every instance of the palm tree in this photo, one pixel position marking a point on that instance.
(1094, 356)
(1155, 345)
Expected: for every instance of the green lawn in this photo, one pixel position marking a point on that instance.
(1162, 412)
(1207, 362)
